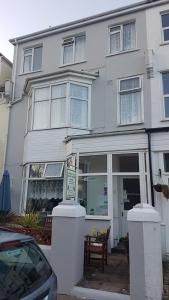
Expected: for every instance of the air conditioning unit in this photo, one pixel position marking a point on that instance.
(8, 89)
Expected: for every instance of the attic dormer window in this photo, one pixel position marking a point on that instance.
(74, 49)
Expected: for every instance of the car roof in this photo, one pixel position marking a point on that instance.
(6, 236)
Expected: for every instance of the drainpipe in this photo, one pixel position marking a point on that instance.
(150, 166)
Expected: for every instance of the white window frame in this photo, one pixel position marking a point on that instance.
(163, 97)
(164, 28)
(119, 93)
(72, 41)
(32, 59)
(53, 163)
(68, 100)
(121, 37)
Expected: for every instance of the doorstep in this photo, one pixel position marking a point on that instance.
(91, 294)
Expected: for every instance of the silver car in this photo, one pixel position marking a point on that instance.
(25, 273)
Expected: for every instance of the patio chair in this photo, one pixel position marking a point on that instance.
(96, 248)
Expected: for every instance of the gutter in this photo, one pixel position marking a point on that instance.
(89, 20)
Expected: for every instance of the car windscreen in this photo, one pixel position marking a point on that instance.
(23, 269)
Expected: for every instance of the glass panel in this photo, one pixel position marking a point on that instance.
(130, 108)
(59, 91)
(43, 195)
(115, 42)
(125, 163)
(23, 270)
(27, 63)
(166, 35)
(129, 84)
(37, 60)
(92, 194)
(80, 48)
(166, 102)
(41, 115)
(54, 170)
(36, 170)
(28, 51)
(79, 113)
(42, 94)
(128, 36)
(165, 20)
(114, 29)
(93, 164)
(131, 192)
(165, 77)
(166, 162)
(68, 54)
(78, 91)
(58, 112)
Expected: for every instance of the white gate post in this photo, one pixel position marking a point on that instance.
(145, 253)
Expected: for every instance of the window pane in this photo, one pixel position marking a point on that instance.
(115, 42)
(93, 164)
(79, 48)
(166, 162)
(28, 51)
(27, 63)
(165, 20)
(165, 83)
(58, 91)
(58, 112)
(42, 94)
(92, 194)
(129, 84)
(128, 36)
(166, 35)
(125, 163)
(43, 195)
(41, 115)
(77, 91)
(166, 103)
(114, 29)
(130, 108)
(54, 170)
(36, 170)
(79, 113)
(68, 54)
(37, 60)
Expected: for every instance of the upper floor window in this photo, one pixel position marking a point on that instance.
(60, 105)
(122, 37)
(74, 49)
(165, 77)
(165, 27)
(130, 101)
(32, 59)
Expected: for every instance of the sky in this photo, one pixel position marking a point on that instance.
(20, 17)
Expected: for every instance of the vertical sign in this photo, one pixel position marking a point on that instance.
(71, 178)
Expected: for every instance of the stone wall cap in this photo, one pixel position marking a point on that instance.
(143, 212)
(69, 211)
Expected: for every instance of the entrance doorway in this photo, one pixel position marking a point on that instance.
(128, 197)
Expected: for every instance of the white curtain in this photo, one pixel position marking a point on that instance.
(37, 61)
(58, 91)
(129, 84)
(129, 36)
(58, 112)
(45, 189)
(78, 91)
(130, 108)
(80, 48)
(27, 63)
(79, 113)
(115, 42)
(42, 94)
(41, 115)
(68, 54)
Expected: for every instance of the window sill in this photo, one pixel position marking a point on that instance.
(130, 124)
(164, 120)
(102, 218)
(164, 43)
(122, 52)
(72, 64)
(32, 72)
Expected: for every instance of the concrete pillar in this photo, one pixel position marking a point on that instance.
(67, 249)
(145, 253)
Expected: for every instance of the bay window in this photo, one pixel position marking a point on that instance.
(130, 111)
(122, 37)
(74, 49)
(60, 105)
(165, 78)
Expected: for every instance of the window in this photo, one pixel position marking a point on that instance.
(44, 184)
(74, 49)
(166, 162)
(130, 100)
(122, 37)
(165, 78)
(165, 27)
(32, 60)
(61, 105)
(92, 187)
